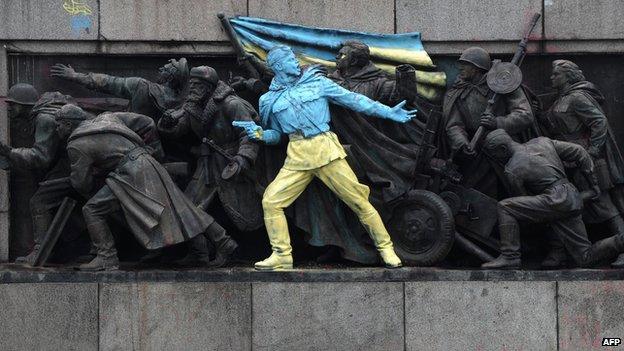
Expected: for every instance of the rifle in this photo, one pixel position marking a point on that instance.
(516, 60)
(238, 47)
(231, 169)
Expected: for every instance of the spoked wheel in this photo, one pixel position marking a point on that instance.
(422, 228)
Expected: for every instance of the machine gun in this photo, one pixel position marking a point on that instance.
(515, 61)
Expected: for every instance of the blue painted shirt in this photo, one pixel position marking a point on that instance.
(303, 107)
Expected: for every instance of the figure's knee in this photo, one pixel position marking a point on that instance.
(270, 204)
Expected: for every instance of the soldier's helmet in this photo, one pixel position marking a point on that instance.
(477, 56)
(206, 73)
(23, 94)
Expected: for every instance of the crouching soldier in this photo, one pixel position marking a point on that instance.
(120, 145)
(537, 176)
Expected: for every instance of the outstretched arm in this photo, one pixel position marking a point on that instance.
(118, 86)
(362, 104)
(255, 132)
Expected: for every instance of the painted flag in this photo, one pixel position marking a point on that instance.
(320, 45)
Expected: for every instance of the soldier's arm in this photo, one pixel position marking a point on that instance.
(360, 103)
(43, 151)
(81, 176)
(520, 116)
(456, 130)
(238, 110)
(592, 117)
(516, 183)
(573, 153)
(146, 128)
(175, 124)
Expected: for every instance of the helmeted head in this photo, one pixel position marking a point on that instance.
(175, 73)
(204, 80)
(498, 145)
(281, 59)
(564, 73)
(20, 99)
(353, 53)
(68, 118)
(474, 61)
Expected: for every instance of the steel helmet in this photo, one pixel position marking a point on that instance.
(206, 73)
(24, 94)
(478, 57)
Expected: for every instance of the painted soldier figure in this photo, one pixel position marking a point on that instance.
(463, 112)
(297, 104)
(120, 146)
(47, 155)
(208, 113)
(543, 194)
(23, 183)
(577, 116)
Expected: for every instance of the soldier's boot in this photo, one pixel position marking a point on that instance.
(198, 253)
(41, 222)
(224, 244)
(281, 257)
(377, 231)
(510, 249)
(557, 256)
(106, 257)
(616, 226)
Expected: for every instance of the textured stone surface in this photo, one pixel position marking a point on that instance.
(361, 15)
(175, 316)
(470, 20)
(4, 225)
(48, 317)
(185, 20)
(11, 273)
(328, 316)
(588, 312)
(581, 19)
(480, 316)
(47, 20)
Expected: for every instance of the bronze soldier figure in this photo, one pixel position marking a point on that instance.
(577, 117)
(543, 194)
(23, 183)
(463, 112)
(46, 155)
(208, 113)
(145, 97)
(120, 145)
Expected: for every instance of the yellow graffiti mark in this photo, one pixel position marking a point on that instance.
(76, 7)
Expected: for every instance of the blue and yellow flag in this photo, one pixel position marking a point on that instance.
(320, 46)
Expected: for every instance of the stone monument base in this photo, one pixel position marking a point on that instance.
(310, 309)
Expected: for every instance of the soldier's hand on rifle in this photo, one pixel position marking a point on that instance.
(238, 83)
(488, 121)
(398, 114)
(62, 71)
(171, 118)
(468, 151)
(5, 149)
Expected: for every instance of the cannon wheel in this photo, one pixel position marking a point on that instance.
(422, 228)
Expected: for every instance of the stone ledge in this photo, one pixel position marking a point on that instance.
(10, 273)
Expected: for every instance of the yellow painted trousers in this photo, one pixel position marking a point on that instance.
(339, 178)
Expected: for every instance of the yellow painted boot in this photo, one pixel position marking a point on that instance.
(281, 258)
(377, 231)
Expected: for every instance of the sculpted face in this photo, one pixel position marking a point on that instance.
(63, 128)
(558, 78)
(288, 65)
(467, 71)
(14, 110)
(199, 88)
(343, 59)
